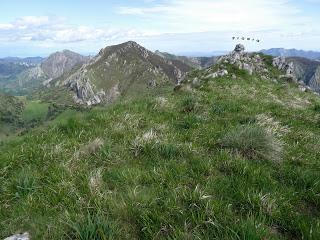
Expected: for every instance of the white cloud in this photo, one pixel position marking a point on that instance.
(5, 26)
(26, 22)
(31, 21)
(57, 30)
(174, 25)
(213, 15)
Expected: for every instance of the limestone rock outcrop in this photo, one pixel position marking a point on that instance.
(252, 63)
(303, 71)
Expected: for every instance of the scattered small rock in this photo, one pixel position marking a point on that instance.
(219, 73)
(24, 236)
(302, 88)
(248, 68)
(195, 82)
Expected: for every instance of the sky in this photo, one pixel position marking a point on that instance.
(39, 27)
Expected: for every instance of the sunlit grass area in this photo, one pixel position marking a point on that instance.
(231, 159)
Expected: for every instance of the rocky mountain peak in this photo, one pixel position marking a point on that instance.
(66, 51)
(131, 44)
(60, 62)
(122, 68)
(123, 48)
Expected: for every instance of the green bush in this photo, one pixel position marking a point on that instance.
(253, 142)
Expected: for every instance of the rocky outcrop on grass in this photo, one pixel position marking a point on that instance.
(252, 63)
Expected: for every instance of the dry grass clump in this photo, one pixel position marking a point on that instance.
(253, 142)
(272, 126)
(140, 141)
(91, 148)
(95, 181)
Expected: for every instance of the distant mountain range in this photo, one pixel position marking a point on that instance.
(24, 61)
(292, 53)
(195, 62)
(20, 76)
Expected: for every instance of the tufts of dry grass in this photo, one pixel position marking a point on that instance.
(91, 148)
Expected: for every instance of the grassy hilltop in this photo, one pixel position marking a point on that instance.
(220, 158)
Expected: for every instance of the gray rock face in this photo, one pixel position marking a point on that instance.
(85, 92)
(283, 65)
(315, 80)
(304, 71)
(61, 62)
(280, 63)
(24, 236)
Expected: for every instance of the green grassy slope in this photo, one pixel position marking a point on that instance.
(230, 159)
(20, 80)
(35, 110)
(11, 109)
(21, 114)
